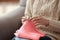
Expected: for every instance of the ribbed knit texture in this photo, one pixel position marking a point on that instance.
(49, 9)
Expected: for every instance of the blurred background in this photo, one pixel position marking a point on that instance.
(7, 6)
(11, 12)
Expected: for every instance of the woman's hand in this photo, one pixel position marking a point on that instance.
(24, 19)
(37, 20)
(40, 21)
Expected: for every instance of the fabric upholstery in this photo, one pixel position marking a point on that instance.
(11, 22)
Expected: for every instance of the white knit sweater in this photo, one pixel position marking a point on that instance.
(48, 9)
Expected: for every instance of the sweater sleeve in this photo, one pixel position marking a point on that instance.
(54, 25)
(29, 8)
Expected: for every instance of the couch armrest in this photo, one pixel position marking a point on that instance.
(10, 23)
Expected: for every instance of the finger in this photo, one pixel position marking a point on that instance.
(34, 18)
(37, 24)
(41, 23)
(41, 20)
(23, 20)
(43, 27)
(37, 21)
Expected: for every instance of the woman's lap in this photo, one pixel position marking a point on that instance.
(16, 38)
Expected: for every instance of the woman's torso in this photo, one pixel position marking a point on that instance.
(48, 9)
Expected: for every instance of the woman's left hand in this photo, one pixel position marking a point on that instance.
(40, 21)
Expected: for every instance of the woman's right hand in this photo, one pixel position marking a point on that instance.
(24, 19)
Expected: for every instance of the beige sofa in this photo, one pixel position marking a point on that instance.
(11, 22)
